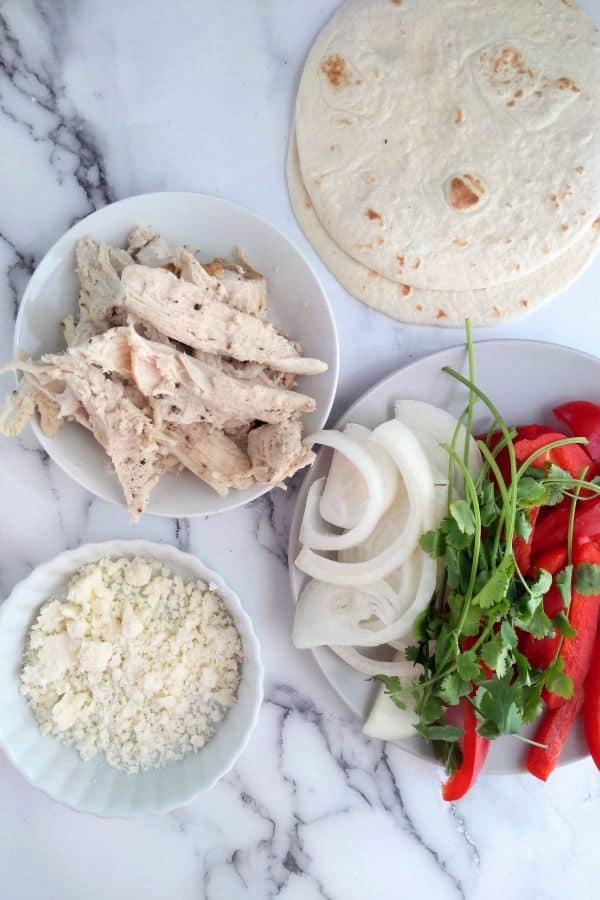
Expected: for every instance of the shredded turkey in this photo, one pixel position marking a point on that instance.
(171, 364)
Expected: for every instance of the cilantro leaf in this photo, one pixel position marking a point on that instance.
(497, 701)
(433, 543)
(542, 583)
(564, 581)
(453, 687)
(487, 505)
(496, 587)
(467, 665)
(563, 626)
(463, 515)
(523, 526)
(557, 681)
(531, 702)
(431, 710)
(530, 493)
(439, 732)
(495, 654)
(393, 689)
(587, 579)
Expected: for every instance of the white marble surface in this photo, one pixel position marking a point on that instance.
(100, 100)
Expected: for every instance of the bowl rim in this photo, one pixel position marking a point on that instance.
(46, 265)
(252, 666)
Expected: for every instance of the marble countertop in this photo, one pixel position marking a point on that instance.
(102, 100)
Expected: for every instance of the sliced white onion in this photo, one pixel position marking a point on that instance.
(364, 616)
(415, 471)
(346, 492)
(433, 427)
(380, 493)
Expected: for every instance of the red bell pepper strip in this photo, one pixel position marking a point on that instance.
(572, 457)
(524, 432)
(552, 560)
(576, 651)
(552, 528)
(591, 705)
(553, 731)
(582, 418)
(474, 752)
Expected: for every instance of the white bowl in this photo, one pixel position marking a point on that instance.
(297, 305)
(94, 786)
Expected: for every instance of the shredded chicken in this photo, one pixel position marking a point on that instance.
(171, 364)
(277, 451)
(190, 314)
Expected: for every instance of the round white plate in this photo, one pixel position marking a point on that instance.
(297, 305)
(525, 379)
(94, 786)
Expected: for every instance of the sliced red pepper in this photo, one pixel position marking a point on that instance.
(591, 705)
(552, 560)
(582, 418)
(576, 651)
(553, 731)
(474, 749)
(524, 432)
(552, 528)
(572, 457)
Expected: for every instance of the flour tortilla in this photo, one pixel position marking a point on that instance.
(453, 144)
(487, 306)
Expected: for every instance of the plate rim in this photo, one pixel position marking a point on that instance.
(166, 553)
(43, 269)
(292, 549)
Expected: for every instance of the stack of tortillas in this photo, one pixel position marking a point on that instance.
(445, 161)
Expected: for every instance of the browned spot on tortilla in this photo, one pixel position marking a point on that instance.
(400, 260)
(596, 223)
(308, 202)
(406, 289)
(417, 264)
(419, 308)
(583, 213)
(373, 273)
(376, 71)
(465, 191)
(511, 103)
(170, 267)
(344, 121)
(336, 70)
(364, 246)
(567, 84)
(580, 170)
(567, 192)
(460, 242)
(495, 310)
(508, 241)
(525, 303)
(373, 215)
(358, 81)
(369, 178)
(518, 94)
(333, 147)
(215, 268)
(397, 2)
(380, 240)
(440, 314)
(458, 115)
(564, 227)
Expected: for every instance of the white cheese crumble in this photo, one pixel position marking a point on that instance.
(132, 661)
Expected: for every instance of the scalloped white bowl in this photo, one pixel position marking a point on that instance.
(94, 786)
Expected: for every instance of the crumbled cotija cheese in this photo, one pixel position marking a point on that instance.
(133, 661)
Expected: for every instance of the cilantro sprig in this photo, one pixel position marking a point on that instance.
(466, 641)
